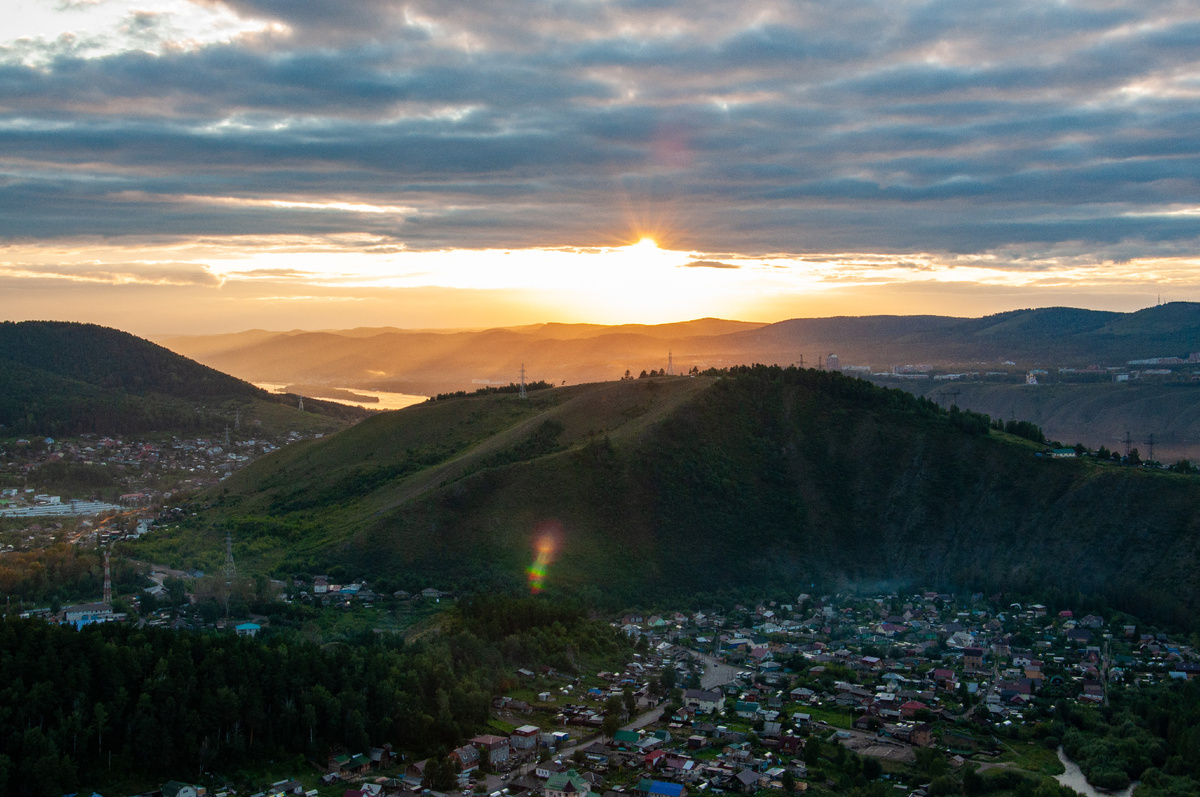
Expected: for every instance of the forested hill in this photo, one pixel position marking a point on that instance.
(761, 478)
(61, 378)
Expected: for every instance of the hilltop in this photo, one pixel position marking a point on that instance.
(670, 487)
(60, 378)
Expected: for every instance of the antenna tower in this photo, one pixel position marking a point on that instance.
(670, 364)
(107, 581)
(1150, 448)
(523, 393)
(237, 420)
(302, 403)
(1128, 443)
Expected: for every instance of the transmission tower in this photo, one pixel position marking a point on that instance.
(237, 420)
(801, 361)
(1128, 444)
(1150, 448)
(230, 570)
(820, 363)
(523, 393)
(302, 403)
(107, 581)
(670, 364)
(954, 394)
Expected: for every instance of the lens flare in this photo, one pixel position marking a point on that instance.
(547, 539)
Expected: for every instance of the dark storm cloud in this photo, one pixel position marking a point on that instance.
(759, 126)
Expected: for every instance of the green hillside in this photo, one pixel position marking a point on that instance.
(59, 378)
(763, 478)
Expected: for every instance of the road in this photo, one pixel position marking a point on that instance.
(716, 673)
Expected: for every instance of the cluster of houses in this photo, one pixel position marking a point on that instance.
(907, 672)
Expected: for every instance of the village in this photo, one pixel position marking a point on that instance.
(782, 696)
(96, 489)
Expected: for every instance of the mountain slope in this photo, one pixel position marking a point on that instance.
(434, 362)
(61, 378)
(763, 479)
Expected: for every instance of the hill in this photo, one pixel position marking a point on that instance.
(59, 378)
(765, 478)
(430, 362)
(1093, 414)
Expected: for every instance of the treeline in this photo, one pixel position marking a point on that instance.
(511, 387)
(60, 574)
(1148, 734)
(77, 705)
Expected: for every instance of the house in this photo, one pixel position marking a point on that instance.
(414, 774)
(973, 658)
(496, 746)
(349, 764)
(88, 613)
(548, 769)
(909, 709)
(567, 784)
(380, 756)
(658, 788)
(625, 740)
(467, 758)
(922, 734)
(524, 738)
(746, 710)
(704, 701)
(248, 629)
(746, 780)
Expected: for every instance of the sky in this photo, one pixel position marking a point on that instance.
(187, 166)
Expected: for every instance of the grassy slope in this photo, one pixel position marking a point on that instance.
(706, 484)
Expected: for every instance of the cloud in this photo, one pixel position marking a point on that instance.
(709, 264)
(161, 273)
(952, 126)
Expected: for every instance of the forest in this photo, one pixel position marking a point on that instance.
(112, 701)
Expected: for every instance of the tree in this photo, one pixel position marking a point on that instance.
(630, 701)
(789, 781)
(610, 725)
(812, 751)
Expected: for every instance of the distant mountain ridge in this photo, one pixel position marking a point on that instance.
(432, 362)
(61, 378)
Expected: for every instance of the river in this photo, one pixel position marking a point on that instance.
(387, 401)
(1073, 778)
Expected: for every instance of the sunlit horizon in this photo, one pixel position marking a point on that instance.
(200, 287)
